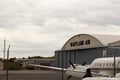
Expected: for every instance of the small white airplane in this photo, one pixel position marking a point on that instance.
(100, 78)
(100, 67)
(106, 66)
(117, 75)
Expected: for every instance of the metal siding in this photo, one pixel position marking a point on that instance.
(72, 56)
(68, 58)
(112, 51)
(80, 56)
(60, 59)
(118, 52)
(56, 59)
(64, 58)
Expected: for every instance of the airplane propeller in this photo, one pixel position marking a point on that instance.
(88, 71)
(72, 64)
(69, 77)
(73, 67)
(87, 74)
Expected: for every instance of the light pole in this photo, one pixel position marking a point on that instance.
(4, 49)
(7, 62)
(62, 66)
(115, 61)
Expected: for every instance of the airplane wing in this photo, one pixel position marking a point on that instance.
(48, 67)
(81, 73)
(98, 74)
(100, 78)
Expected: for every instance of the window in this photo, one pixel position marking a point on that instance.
(71, 44)
(107, 64)
(103, 64)
(81, 42)
(87, 42)
(112, 64)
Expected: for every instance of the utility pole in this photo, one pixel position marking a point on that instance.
(7, 62)
(62, 57)
(115, 62)
(4, 49)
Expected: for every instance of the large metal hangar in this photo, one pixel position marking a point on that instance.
(84, 48)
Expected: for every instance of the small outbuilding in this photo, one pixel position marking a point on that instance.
(10, 65)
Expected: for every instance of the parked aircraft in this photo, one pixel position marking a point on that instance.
(117, 75)
(106, 66)
(101, 78)
(102, 67)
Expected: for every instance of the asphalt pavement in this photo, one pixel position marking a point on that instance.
(34, 75)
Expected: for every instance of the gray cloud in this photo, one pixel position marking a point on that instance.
(37, 12)
(52, 22)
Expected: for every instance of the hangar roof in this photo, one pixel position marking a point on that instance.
(107, 39)
(82, 41)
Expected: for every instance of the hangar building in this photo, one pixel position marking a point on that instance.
(84, 48)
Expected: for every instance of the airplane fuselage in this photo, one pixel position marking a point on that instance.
(100, 67)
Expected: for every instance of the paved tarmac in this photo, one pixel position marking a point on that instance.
(34, 75)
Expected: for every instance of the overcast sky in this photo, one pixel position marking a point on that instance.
(39, 27)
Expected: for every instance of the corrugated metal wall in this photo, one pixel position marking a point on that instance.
(82, 55)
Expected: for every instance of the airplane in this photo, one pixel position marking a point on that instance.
(106, 66)
(117, 75)
(100, 78)
(100, 67)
